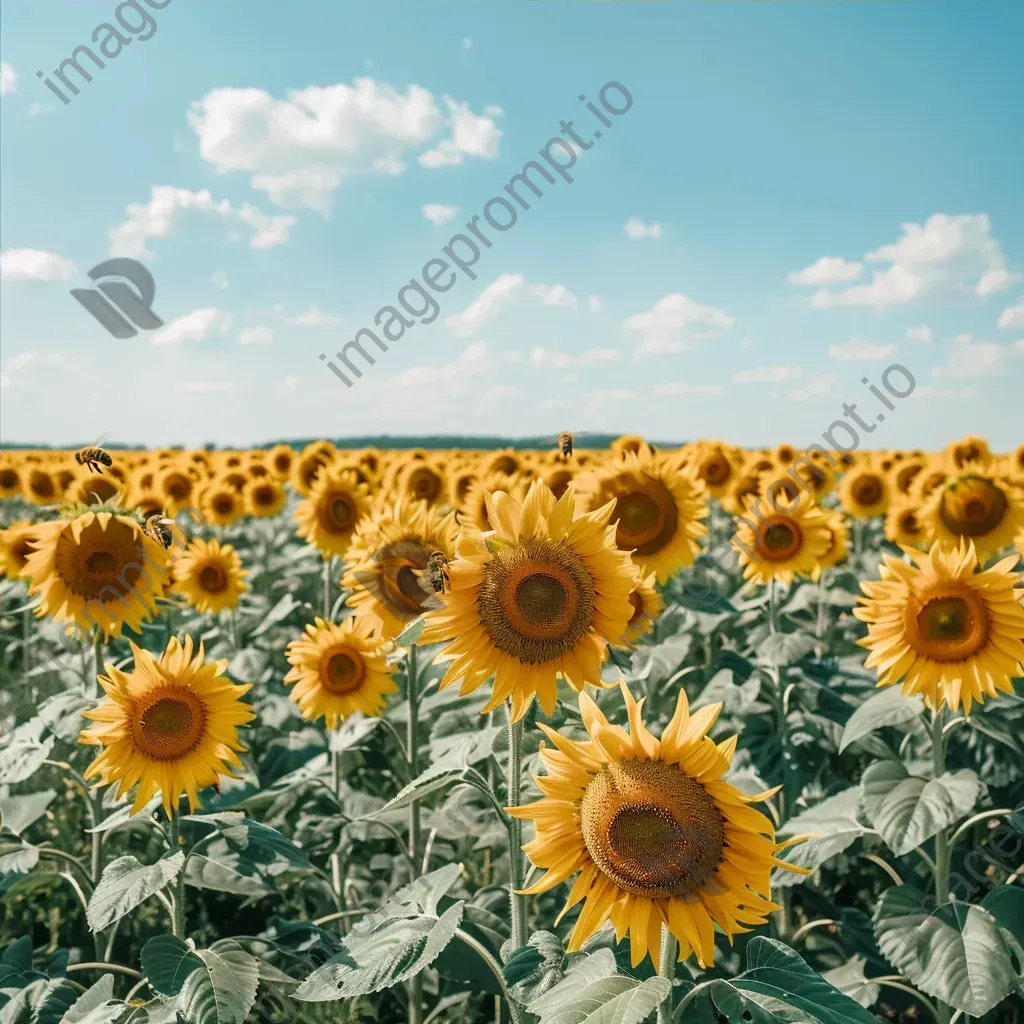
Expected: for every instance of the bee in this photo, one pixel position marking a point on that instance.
(94, 458)
(156, 528)
(396, 579)
(435, 575)
(565, 442)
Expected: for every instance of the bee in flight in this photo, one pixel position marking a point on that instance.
(565, 442)
(94, 458)
(435, 576)
(156, 528)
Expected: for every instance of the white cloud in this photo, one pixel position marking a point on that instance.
(554, 295)
(859, 351)
(676, 388)
(560, 360)
(35, 109)
(313, 317)
(827, 270)
(767, 375)
(161, 216)
(971, 358)
(198, 325)
(8, 79)
(438, 214)
(921, 333)
(1012, 316)
(927, 391)
(594, 303)
(819, 385)
(486, 305)
(670, 324)
(946, 253)
(12, 369)
(207, 385)
(299, 149)
(472, 361)
(471, 135)
(259, 335)
(636, 228)
(34, 265)
(219, 279)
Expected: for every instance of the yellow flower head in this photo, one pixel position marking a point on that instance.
(209, 575)
(783, 545)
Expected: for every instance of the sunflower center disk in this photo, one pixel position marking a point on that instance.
(868, 490)
(341, 513)
(425, 485)
(213, 579)
(716, 471)
(89, 567)
(973, 507)
(780, 541)
(652, 829)
(342, 671)
(950, 627)
(645, 520)
(536, 600)
(223, 504)
(170, 726)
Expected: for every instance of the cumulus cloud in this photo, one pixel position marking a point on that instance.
(1012, 316)
(198, 325)
(446, 378)
(313, 317)
(636, 228)
(219, 279)
(438, 214)
(8, 79)
(969, 357)
(471, 135)
(34, 265)
(162, 216)
(819, 385)
(259, 335)
(501, 291)
(554, 295)
(767, 375)
(859, 351)
(827, 270)
(947, 253)
(672, 323)
(921, 333)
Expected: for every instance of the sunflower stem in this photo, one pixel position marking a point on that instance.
(328, 565)
(412, 742)
(667, 970)
(771, 607)
(517, 902)
(942, 837)
(337, 872)
(178, 918)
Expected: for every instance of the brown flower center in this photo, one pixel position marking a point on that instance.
(342, 670)
(213, 579)
(170, 724)
(646, 519)
(867, 490)
(780, 541)
(972, 506)
(948, 625)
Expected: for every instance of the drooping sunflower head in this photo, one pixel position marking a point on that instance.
(332, 512)
(16, 544)
(169, 726)
(539, 596)
(97, 568)
(903, 524)
(647, 604)
(782, 545)
(949, 632)
(653, 832)
(339, 669)
(387, 559)
(865, 491)
(221, 503)
(209, 575)
(973, 505)
(658, 509)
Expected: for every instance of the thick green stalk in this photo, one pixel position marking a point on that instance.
(515, 832)
(667, 969)
(178, 922)
(412, 741)
(942, 837)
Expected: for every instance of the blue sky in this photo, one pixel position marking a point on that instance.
(800, 195)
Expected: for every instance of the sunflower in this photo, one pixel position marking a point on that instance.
(838, 540)
(558, 478)
(98, 568)
(280, 460)
(41, 488)
(170, 726)
(905, 472)
(783, 544)
(647, 606)
(88, 488)
(209, 575)
(716, 467)
(657, 513)
(865, 491)
(903, 524)
(950, 632)
(930, 479)
(16, 544)
(389, 551)
(307, 465)
(968, 450)
(175, 485)
(537, 597)
(654, 833)
(220, 503)
(460, 479)
(974, 506)
(474, 509)
(264, 496)
(336, 505)
(420, 480)
(338, 670)
(628, 444)
(506, 462)
(10, 479)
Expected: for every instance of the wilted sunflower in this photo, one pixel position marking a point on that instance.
(538, 597)
(336, 506)
(647, 606)
(951, 633)
(388, 554)
(170, 726)
(16, 544)
(656, 835)
(865, 491)
(974, 506)
(339, 669)
(782, 545)
(98, 568)
(264, 496)
(657, 513)
(903, 524)
(209, 575)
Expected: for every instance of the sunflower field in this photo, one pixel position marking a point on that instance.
(693, 735)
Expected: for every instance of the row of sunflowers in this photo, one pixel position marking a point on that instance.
(302, 786)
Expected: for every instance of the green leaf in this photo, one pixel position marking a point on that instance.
(125, 884)
(411, 633)
(277, 614)
(62, 714)
(228, 872)
(24, 755)
(535, 968)
(737, 698)
(224, 989)
(777, 987)
(955, 952)
(18, 812)
(167, 962)
(887, 707)
(781, 649)
(18, 862)
(851, 980)
(95, 1005)
(907, 810)
(837, 826)
(258, 842)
